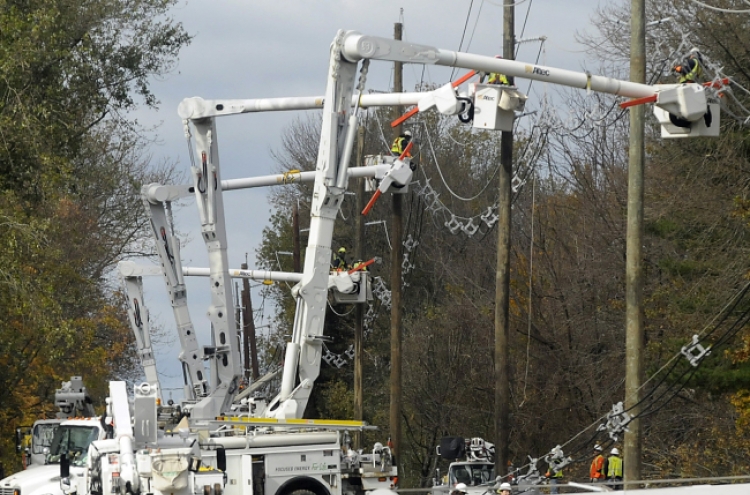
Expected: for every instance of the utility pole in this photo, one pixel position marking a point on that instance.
(634, 260)
(502, 273)
(396, 256)
(359, 254)
(248, 330)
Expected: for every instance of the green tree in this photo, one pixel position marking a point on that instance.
(71, 167)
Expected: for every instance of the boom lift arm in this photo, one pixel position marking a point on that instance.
(139, 323)
(158, 208)
(224, 355)
(72, 399)
(304, 351)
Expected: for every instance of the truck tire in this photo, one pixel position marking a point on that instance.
(302, 492)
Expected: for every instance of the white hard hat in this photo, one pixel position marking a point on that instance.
(461, 487)
(615, 451)
(407, 133)
(598, 447)
(505, 486)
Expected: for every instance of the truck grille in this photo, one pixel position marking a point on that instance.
(6, 490)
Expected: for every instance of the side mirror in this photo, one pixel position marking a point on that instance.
(64, 468)
(221, 459)
(18, 441)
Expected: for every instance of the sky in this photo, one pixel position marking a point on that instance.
(259, 49)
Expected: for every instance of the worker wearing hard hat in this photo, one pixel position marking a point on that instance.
(400, 144)
(614, 469)
(339, 260)
(504, 489)
(459, 489)
(690, 69)
(598, 471)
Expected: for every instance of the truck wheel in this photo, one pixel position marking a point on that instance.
(302, 492)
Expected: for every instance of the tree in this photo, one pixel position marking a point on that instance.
(71, 167)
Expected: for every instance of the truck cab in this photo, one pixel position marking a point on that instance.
(471, 473)
(473, 465)
(32, 440)
(71, 437)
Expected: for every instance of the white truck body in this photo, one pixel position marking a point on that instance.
(72, 436)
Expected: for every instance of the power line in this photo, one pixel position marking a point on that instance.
(463, 34)
(719, 9)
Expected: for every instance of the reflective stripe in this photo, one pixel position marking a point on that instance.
(695, 71)
(398, 145)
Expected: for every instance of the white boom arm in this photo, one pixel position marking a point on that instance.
(168, 249)
(303, 352)
(358, 46)
(139, 323)
(224, 355)
(72, 399)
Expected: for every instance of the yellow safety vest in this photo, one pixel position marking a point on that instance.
(693, 73)
(496, 78)
(551, 474)
(615, 467)
(339, 262)
(398, 145)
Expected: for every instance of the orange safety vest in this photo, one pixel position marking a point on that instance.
(597, 468)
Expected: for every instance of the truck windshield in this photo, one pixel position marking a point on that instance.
(73, 441)
(42, 436)
(472, 474)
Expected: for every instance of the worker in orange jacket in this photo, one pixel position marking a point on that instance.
(598, 472)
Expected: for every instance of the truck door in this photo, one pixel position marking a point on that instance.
(246, 481)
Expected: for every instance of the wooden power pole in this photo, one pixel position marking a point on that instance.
(502, 273)
(248, 330)
(634, 340)
(396, 256)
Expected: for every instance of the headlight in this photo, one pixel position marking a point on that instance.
(16, 491)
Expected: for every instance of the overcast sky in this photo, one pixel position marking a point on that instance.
(258, 49)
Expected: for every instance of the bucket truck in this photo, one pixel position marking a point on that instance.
(472, 463)
(67, 436)
(72, 400)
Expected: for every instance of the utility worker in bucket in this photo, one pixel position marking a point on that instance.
(497, 78)
(400, 144)
(690, 70)
(339, 260)
(357, 263)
